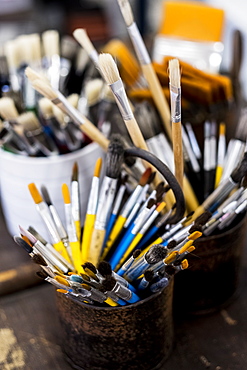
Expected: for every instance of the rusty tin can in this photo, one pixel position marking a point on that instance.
(138, 336)
(212, 280)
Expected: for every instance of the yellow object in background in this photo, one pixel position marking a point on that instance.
(192, 21)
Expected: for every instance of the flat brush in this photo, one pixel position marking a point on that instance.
(91, 211)
(146, 65)
(43, 210)
(111, 75)
(114, 161)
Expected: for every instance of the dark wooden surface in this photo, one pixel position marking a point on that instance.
(30, 336)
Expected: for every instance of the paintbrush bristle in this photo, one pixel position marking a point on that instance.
(114, 157)
(45, 195)
(150, 203)
(22, 243)
(172, 244)
(73, 99)
(104, 268)
(46, 108)
(32, 75)
(42, 274)
(35, 193)
(50, 40)
(61, 280)
(44, 89)
(90, 266)
(241, 171)
(97, 167)
(66, 194)
(126, 12)
(174, 73)
(36, 235)
(149, 274)
(81, 36)
(145, 176)
(39, 260)
(136, 253)
(108, 284)
(8, 109)
(75, 171)
(156, 253)
(29, 121)
(108, 68)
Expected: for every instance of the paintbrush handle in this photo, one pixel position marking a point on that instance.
(86, 236)
(158, 96)
(178, 152)
(94, 133)
(96, 244)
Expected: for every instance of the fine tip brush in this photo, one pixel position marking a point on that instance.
(114, 161)
(146, 65)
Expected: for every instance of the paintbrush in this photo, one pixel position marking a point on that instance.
(50, 248)
(223, 190)
(91, 211)
(123, 249)
(221, 151)
(51, 58)
(57, 98)
(129, 262)
(125, 211)
(75, 200)
(146, 65)
(11, 52)
(43, 210)
(57, 220)
(111, 75)
(175, 97)
(114, 161)
(71, 229)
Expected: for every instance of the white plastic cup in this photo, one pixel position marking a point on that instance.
(17, 171)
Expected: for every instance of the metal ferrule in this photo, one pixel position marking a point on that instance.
(137, 269)
(44, 212)
(132, 200)
(211, 228)
(75, 200)
(126, 266)
(70, 223)
(175, 93)
(122, 292)
(219, 194)
(139, 45)
(162, 283)
(141, 219)
(105, 202)
(118, 200)
(149, 222)
(60, 228)
(122, 100)
(97, 296)
(92, 203)
(51, 258)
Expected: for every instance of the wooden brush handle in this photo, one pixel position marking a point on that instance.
(96, 244)
(178, 152)
(158, 97)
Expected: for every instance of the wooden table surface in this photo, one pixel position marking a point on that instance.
(29, 327)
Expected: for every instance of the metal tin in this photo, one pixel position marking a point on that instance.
(137, 336)
(212, 279)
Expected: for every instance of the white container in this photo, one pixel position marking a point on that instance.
(17, 171)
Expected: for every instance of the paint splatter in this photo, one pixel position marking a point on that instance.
(11, 354)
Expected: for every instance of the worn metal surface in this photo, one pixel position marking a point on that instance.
(212, 279)
(138, 336)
